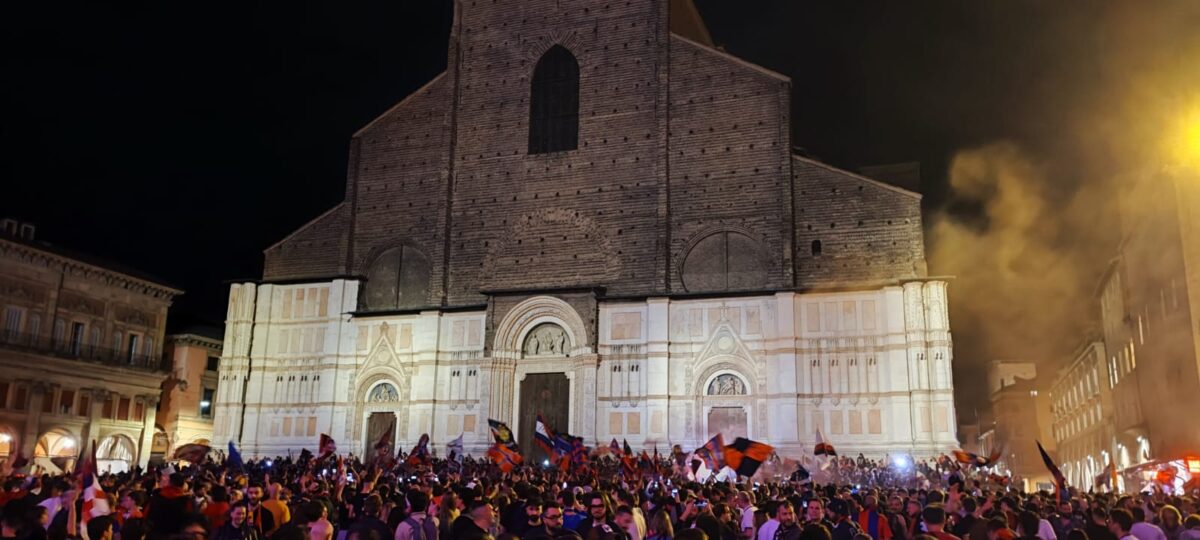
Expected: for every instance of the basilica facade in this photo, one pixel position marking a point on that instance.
(596, 215)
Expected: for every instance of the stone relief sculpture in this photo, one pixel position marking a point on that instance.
(726, 385)
(546, 340)
(383, 393)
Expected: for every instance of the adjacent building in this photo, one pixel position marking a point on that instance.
(189, 393)
(1083, 415)
(1019, 418)
(595, 214)
(80, 354)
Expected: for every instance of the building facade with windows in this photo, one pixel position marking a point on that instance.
(595, 214)
(1082, 415)
(189, 393)
(80, 355)
(1019, 417)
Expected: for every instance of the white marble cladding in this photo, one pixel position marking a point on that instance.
(871, 368)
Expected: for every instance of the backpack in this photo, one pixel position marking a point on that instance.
(426, 529)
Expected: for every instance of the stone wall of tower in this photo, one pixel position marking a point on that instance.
(584, 217)
(729, 156)
(868, 232)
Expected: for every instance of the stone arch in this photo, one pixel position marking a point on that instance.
(398, 276)
(55, 443)
(726, 380)
(8, 441)
(724, 258)
(537, 47)
(369, 380)
(529, 314)
(116, 453)
(708, 370)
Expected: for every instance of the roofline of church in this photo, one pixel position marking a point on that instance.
(306, 225)
(736, 59)
(853, 174)
(402, 102)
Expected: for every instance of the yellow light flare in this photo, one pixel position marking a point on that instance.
(1185, 144)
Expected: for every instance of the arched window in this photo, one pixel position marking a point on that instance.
(725, 261)
(554, 103)
(397, 279)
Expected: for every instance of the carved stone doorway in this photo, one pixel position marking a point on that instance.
(728, 421)
(378, 423)
(550, 395)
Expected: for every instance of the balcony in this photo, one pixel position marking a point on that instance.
(75, 350)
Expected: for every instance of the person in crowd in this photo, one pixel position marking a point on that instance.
(238, 524)
(934, 518)
(1120, 522)
(659, 527)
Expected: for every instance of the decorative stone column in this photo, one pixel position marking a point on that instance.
(33, 416)
(148, 419)
(91, 430)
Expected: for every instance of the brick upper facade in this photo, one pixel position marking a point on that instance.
(678, 141)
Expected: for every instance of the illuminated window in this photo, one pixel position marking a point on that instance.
(554, 103)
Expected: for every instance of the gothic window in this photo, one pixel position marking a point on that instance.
(724, 261)
(554, 103)
(397, 279)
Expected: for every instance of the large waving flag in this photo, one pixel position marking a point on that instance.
(977, 460)
(234, 460)
(326, 446)
(745, 456)
(95, 502)
(626, 448)
(823, 448)
(420, 452)
(502, 434)
(504, 457)
(384, 456)
(1060, 481)
(713, 453)
(192, 452)
(543, 435)
(455, 449)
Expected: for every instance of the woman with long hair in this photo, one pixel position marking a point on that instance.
(660, 527)
(448, 511)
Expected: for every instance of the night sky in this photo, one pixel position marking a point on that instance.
(184, 138)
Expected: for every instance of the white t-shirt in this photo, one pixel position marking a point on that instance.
(767, 532)
(747, 519)
(52, 506)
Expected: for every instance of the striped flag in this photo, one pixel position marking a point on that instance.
(95, 503)
(504, 457)
(1060, 481)
(823, 447)
(745, 456)
(543, 436)
(235, 458)
(713, 453)
(455, 448)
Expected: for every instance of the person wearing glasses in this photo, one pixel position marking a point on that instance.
(598, 518)
(551, 525)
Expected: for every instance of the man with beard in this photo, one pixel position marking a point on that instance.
(533, 518)
(598, 519)
(260, 517)
(552, 525)
(786, 516)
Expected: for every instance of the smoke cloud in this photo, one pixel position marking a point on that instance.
(1032, 218)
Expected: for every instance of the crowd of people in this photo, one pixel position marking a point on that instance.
(310, 498)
